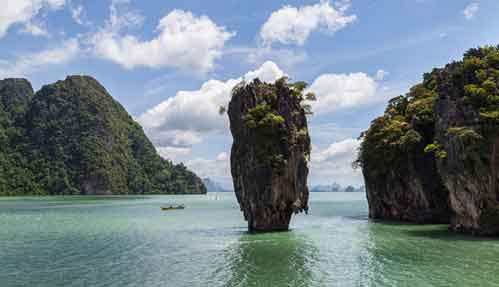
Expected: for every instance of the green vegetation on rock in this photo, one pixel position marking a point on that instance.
(452, 116)
(268, 124)
(406, 124)
(408, 117)
(72, 137)
(270, 151)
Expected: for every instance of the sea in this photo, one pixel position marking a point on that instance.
(128, 241)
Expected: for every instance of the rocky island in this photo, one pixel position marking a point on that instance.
(270, 152)
(433, 155)
(72, 137)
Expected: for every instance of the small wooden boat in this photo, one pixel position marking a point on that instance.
(172, 207)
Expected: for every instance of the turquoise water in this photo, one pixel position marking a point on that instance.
(121, 241)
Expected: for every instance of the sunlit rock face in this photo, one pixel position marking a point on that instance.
(270, 153)
(467, 123)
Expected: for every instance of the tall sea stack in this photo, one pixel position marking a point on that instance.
(270, 152)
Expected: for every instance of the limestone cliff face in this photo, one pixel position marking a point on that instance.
(413, 193)
(467, 129)
(270, 152)
(451, 122)
(402, 182)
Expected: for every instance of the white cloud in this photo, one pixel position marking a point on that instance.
(470, 10)
(23, 11)
(35, 29)
(121, 16)
(173, 153)
(339, 91)
(334, 163)
(337, 150)
(222, 156)
(217, 169)
(291, 25)
(381, 74)
(27, 64)
(197, 111)
(184, 41)
(267, 72)
(174, 137)
(78, 14)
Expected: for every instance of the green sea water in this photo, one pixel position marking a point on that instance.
(128, 241)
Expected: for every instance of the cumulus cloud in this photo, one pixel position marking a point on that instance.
(337, 150)
(183, 40)
(23, 12)
(78, 15)
(334, 163)
(35, 29)
(339, 91)
(27, 64)
(174, 137)
(194, 112)
(217, 169)
(291, 25)
(470, 10)
(173, 153)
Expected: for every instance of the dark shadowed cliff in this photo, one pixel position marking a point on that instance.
(72, 137)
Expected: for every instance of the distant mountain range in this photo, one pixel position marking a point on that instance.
(213, 186)
(336, 188)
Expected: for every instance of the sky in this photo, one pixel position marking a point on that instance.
(172, 63)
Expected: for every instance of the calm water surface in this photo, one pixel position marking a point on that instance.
(118, 241)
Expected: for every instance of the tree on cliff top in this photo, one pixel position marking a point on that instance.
(409, 119)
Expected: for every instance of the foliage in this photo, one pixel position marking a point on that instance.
(409, 120)
(403, 128)
(436, 149)
(276, 127)
(71, 137)
(221, 110)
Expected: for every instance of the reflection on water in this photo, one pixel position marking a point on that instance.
(278, 259)
(119, 242)
(428, 255)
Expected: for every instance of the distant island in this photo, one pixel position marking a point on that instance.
(335, 187)
(213, 186)
(73, 138)
(433, 156)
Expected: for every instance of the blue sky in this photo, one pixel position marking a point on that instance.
(171, 63)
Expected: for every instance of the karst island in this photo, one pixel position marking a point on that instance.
(270, 151)
(297, 143)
